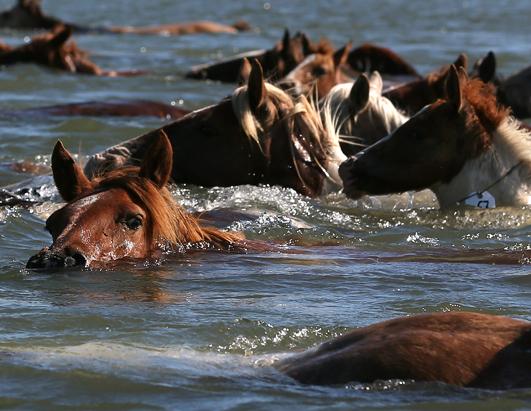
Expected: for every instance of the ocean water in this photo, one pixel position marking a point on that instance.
(200, 331)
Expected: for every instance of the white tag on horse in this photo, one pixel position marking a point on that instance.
(481, 200)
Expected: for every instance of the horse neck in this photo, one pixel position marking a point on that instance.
(510, 148)
(382, 111)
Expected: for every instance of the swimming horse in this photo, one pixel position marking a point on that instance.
(28, 14)
(359, 113)
(276, 62)
(258, 135)
(459, 348)
(465, 147)
(126, 213)
(53, 50)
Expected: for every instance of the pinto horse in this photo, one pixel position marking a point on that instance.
(360, 114)
(259, 135)
(461, 348)
(55, 51)
(127, 213)
(414, 95)
(276, 62)
(465, 148)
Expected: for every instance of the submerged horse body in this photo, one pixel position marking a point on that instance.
(466, 147)
(124, 214)
(259, 135)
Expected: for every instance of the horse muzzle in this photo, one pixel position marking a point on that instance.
(46, 259)
(351, 178)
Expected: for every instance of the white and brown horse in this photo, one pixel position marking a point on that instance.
(465, 148)
(359, 113)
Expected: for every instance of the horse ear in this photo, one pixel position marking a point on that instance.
(376, 82)
(286, 39)
(61, 36)
(453, 88)
(487, 67)
(256, 86)
(359, 93)
(245, 71)
(158, 162)
(340, 56)
(69, 177)
(307, 48)
(461, 61)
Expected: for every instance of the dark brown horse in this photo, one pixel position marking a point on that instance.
(53, 50)
(27, 14)
(465, 148)
(259, 135)
(413, 96)
(465, 349)
(127, 213)
(370, 57)
(276, 62)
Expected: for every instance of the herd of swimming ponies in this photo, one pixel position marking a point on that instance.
(304, 116)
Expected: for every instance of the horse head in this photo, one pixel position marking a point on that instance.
(127, 213)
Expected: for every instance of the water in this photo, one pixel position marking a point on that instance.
(199, 331)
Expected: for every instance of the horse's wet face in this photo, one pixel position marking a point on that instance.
(95, 229)
(425, 150)
(318, 72)
(211, 149)
(414, 156)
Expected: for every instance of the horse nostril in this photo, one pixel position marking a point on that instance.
(76, 259)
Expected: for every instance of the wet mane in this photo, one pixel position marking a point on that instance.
(313, 143)
(172, 226)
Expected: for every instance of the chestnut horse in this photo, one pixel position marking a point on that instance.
(317, 73)
(465, 148)
(460, 348)
(360, 114)
(259, 135)
(55, 51)
(276, 62)
(369, 57)
(413, 96)
(127, 213)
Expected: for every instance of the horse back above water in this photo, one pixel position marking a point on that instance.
(258, 135)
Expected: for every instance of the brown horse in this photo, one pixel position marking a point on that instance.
(413, 96)
(27, 14)
(465, 349)
(465, 148)
(369, 57)
(260, 135)
(127, 213)
(318, 73)
(276, 62)
(55, 51)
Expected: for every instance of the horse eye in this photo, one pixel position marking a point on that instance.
(134, 223)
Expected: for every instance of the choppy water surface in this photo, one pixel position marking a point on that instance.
(199, 331)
